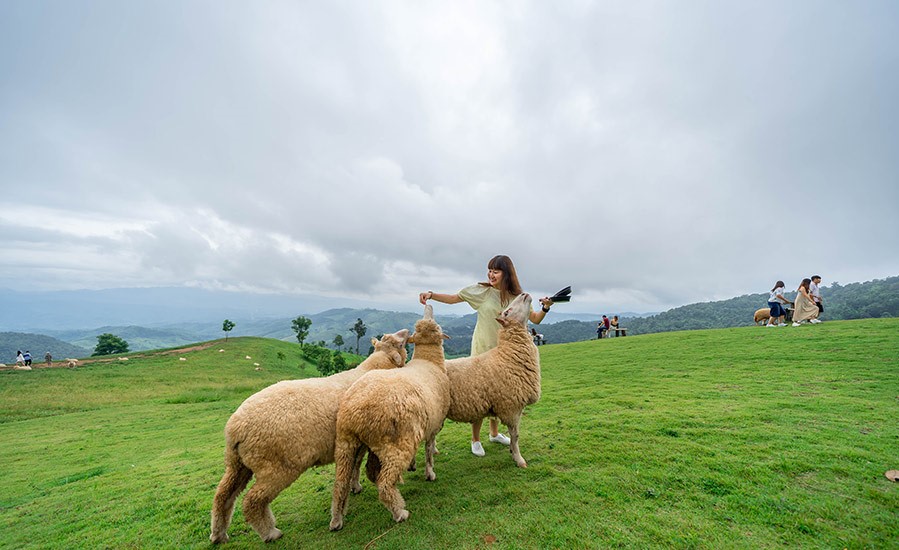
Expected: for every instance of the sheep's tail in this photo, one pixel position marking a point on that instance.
(237, 476)
(372, 467)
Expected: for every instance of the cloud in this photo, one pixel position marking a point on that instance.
(648, 155)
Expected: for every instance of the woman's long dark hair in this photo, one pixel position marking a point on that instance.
(777, 285)
(509, 287)
(806, 282)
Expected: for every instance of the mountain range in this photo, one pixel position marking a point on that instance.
(164, 318)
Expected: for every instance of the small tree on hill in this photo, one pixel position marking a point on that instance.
(359, 329)
(338, 341)
(108, 344)
(338, 363)
(227, 325)
(301, 325)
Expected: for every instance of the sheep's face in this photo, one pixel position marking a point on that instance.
(427, 331)
(517, 312)
(394, 345)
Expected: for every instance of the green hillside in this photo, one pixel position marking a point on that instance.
(741, 437)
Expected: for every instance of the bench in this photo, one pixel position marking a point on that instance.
(620, 331)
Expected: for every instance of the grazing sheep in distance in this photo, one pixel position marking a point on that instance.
(389, 413)
(282, 431)
(762, 315)
(501, 381)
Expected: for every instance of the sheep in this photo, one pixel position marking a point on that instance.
(282, 431)
(71, 363)
(500, 382)
(389, 413)
(761, 315)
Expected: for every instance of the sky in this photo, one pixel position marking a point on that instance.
(649, 154)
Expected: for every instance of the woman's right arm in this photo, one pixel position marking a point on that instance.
(442, 298)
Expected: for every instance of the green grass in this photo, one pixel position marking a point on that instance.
(735, 438)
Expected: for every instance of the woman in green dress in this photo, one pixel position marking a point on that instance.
(489, 299)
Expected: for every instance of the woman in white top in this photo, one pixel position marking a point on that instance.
(775, 302)
(489, 299)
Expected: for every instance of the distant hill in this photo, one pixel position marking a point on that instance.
(38, 345)
(879, 298)
(138, 338)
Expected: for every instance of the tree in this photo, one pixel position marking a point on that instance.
(338, 363)
(227, 325)
(108, 344)
(359, 329)
(338, 341)
(301, 326)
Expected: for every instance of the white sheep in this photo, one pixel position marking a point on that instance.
(500, 382)
(71, 363)
(390, 413)
(282, 431)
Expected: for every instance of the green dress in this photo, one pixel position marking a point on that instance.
(486, 301)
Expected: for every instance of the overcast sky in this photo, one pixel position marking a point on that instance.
(649, 154)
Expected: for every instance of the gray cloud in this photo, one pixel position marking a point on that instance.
(649, 155)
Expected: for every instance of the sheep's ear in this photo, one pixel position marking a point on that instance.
(503, 321)
(411, 339)
(402, 334)
(396, 357)
(374, 341)
(446, 336)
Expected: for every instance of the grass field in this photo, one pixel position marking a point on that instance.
(736, 438)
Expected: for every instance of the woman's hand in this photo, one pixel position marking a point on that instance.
(546, 302)
(425, 296)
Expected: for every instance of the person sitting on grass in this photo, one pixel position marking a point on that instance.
(804, 308)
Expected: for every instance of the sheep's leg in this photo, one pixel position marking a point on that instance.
(357, 467)
(391, 473)
(430, 451)
(232, 484)
(256, 510)
(346, 453)
(513, 437)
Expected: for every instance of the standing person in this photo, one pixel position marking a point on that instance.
(815, 290)
(20, 359)
(489, 299)
(27, 358)
(804, 308)
(775, 302)
(601, 327)
(48, 359)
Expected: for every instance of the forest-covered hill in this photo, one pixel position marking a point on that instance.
(878, 298)
(38, 345)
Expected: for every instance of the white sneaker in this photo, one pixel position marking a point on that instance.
(795, 324)
(814, 321)
(477, 449)
(782, 325)
(500, 438)
(770, 325)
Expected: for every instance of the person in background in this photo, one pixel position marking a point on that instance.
(602, 327)
(489, 299)
(20, 359)
(815, 290)
(27, 358)
(614, 324)
(776, 301)
(804, 308)
(48, 359)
